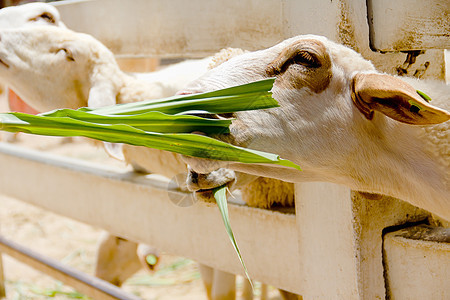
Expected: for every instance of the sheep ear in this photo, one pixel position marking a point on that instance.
(102, 93)
(394, 98)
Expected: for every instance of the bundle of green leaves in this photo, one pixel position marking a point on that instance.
(165, 124)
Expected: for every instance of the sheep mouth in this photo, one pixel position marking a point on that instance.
(206, 195)
(3, 63)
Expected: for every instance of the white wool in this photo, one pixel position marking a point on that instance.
(436, 137)
(224, 55)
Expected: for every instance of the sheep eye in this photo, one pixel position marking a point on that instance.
(68, 53)
(49, 17)
(307, 59)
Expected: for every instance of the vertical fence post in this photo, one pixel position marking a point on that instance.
(327, 242)
(340, 239)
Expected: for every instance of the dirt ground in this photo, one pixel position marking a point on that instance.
(74, 243)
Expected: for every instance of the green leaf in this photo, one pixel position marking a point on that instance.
(254, 95)
(424, 96)
(147, 123)
(150, 121)
(151, 259)
(182, 143)
(220, 194)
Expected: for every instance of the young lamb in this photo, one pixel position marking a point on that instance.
(113, 259)
(29, 14)
(80, 71)
(341, 121)
(123, 258)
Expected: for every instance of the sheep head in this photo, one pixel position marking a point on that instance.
(54, 67)
(29, 14)
(339, 119)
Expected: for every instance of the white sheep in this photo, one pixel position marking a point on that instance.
(341, 121)
(122, 258)
(29, 14)
(80, 71)
(126, 255)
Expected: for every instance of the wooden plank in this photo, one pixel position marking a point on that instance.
(82, 282)
(139, 208)
(340, 240)
(418, 263)
(177, 27)
(326, 244)
(403, 25)
(198, 28)
(345, 21)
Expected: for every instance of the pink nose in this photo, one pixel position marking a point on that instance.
(18, 105)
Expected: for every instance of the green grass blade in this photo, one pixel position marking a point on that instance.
(424, 96)
(220, 194)
(254, 95)
(150, 121)
(186, 144)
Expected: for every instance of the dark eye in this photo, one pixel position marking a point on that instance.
(67, 52)
(307, 59)
(48, 17)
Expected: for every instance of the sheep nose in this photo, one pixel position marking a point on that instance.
(196, 181)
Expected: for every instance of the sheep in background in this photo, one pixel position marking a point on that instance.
(121, 255)
(341, 121)
(29, 14)
(41, 58)
(80, 71)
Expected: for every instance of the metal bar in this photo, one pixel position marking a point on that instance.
(85, 283)
(2, 279)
